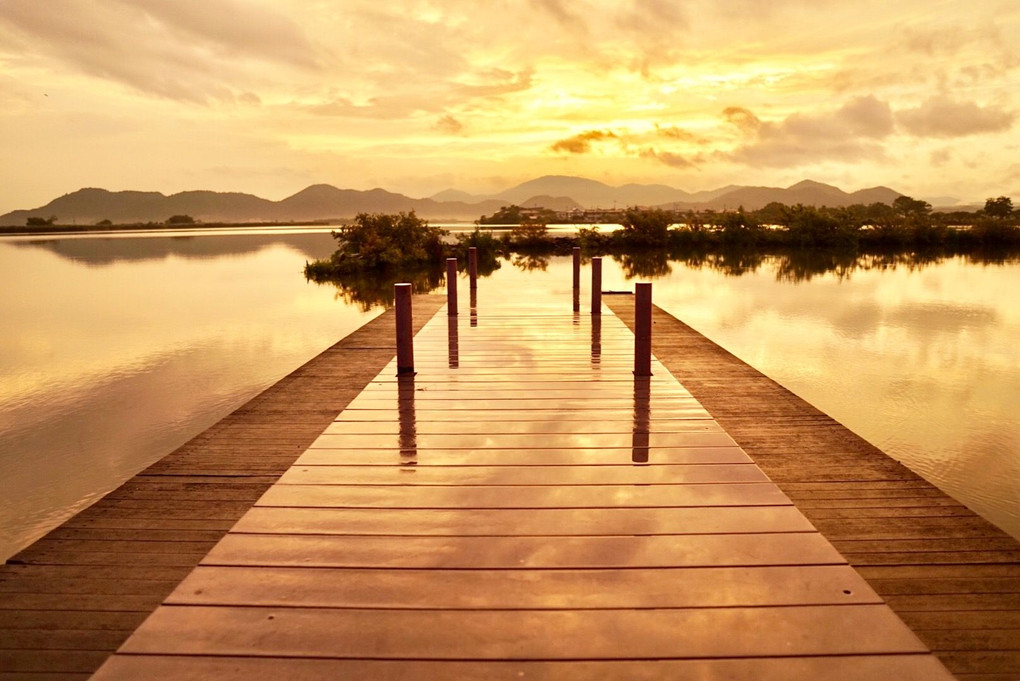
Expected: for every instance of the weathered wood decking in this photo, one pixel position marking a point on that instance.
(523, 508)
(949, 574)
(69, 600)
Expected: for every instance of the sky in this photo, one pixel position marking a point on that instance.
(418, 96)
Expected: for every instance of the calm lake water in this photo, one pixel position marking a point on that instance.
(117, 349)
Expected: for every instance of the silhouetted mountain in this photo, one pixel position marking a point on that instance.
(593, 194)
(808, 192)
(560, 203)
(457, 195)
(318, 202)
(326, 202)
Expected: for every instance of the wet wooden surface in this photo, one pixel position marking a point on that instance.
(68, 601)
(949, 574)
(523, 508)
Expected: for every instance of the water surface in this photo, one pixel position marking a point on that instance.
(118, 348)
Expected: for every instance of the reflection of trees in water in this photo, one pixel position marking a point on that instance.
(372, 288)
(803, 265)
(645, 264)
(530, 261)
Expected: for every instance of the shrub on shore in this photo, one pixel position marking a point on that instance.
(380, 241)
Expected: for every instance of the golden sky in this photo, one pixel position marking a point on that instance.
(269, 96)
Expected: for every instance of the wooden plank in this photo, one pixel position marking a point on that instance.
(583, 634)
(433, 412)
(512, 441)
(408, 470)
(503, 589)
(523, 522)
(529, 457)
(524, 552)
(547, 496)
(900, 667)
(547, 426)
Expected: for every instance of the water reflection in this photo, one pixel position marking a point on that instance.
(529, 262)
(915, 354)
(372, 289)
(104, 251)
(408, 436)
(105, 369)
(596, 340)
(794, 266)
(474, 307)
(453, 341)
(642, 419)
(646, 264)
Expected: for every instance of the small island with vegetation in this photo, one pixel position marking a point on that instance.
(377, 250)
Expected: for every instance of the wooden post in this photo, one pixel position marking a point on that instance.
(405, 330)
(451, 286)
(473, 266)
(643, 329)
(596, 285)
(577, 279)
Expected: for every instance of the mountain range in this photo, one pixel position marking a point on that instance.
(325, 202)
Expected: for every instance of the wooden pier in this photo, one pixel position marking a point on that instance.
(524, 507)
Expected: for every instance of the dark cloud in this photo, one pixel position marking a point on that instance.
(942, 116)
(449, 125)
(742, 118)
(582, 143)
(668, 158)
(675, 133)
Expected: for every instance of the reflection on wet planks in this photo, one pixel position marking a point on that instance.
(521, 502)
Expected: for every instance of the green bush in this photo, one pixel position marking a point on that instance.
(646, 228)
(379, 241)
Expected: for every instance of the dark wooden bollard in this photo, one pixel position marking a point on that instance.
(451, 286)
(405, 330)
(577, 279)
(643, 330)
(473, 266)
(596, 285)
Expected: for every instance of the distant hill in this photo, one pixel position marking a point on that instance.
(593, 194)
(559, 203)
(326, 202)
(807, 192)
(318, 202)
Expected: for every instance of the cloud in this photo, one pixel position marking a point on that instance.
(449, 125)
(940, 157)
(496, 82)
(669, 158)
(233, 27)
(185, 50)
(582, 143)
(558, 10)
(849, 133)
(679, 134)
(941, 116)
(742, 118)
